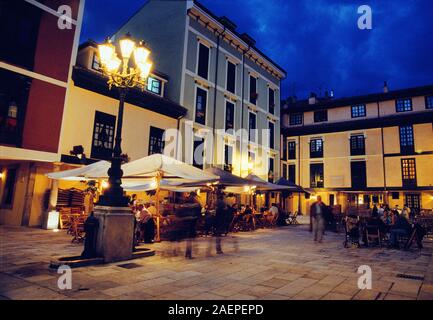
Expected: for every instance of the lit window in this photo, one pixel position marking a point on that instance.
(359, 111)
(316, 175)
(154, 85)
(408, 168)
(403, 105)
(316, 148)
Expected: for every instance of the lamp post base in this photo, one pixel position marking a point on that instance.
(115, 239)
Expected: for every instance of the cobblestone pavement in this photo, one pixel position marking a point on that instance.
(266, 264)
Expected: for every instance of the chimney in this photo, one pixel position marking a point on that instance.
(385, 87)
(227, 23)
(312, 100)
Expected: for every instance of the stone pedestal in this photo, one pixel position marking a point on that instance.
(115, 234)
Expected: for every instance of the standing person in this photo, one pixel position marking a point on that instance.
(317, 214)
(220, 219)
(194, 212)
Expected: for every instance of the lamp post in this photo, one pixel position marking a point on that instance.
(123, 73)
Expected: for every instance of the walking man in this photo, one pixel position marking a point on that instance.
(317, 214)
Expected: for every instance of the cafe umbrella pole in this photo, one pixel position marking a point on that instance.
(158, 220)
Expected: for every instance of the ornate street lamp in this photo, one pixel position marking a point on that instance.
(123, 73)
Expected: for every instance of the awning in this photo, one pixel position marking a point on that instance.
(293, 187)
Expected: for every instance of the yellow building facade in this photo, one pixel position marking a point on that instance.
(358, 151)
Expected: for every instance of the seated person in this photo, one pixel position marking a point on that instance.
(352, 228)
(401, 227)
(387, 219)
(273, 213)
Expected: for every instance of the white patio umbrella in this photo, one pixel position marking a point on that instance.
(161, 169)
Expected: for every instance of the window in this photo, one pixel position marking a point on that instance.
(198, 152)
(406, 140)
(403, 105)
(252, 127)
(156, 140)
(321, 116)
(296, 119)
(228, 158)
(200, 106)
(154, 85)
(408, 169)
(253, 90)
(358, 172)
(429, 102)
(271, 100)
(292, 150)
(95, 62)
(103, 136)
(292, 173)
(231, 77)
(316, 148)
(271, 135)
(19, 29)
(271, 173)
(9, 188)
(14, 92)
(359, 111)
(357, 145)
(203, 61)
(230, 116)
(316, 175)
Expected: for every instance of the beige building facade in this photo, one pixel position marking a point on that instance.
(358, 151)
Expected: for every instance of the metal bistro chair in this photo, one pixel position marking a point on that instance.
(373, 235)
(292, 219)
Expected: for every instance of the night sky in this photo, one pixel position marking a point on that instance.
(317, 42)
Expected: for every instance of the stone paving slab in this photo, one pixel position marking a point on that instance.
(277, 264)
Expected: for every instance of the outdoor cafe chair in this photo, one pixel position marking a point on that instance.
(292, 219)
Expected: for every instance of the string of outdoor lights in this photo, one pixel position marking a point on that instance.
(125, 72)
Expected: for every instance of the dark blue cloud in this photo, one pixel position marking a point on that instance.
(317, 41)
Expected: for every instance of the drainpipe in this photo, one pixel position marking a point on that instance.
(383, 157)
(215, 95)
(299, 173)
(242, 105)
